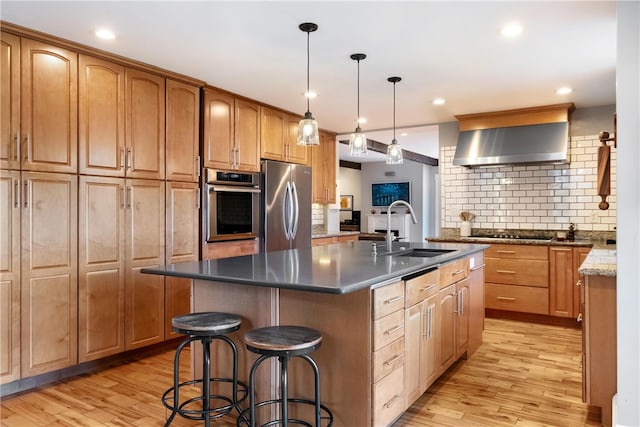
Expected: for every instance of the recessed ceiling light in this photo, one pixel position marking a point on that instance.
(310, 94)
(513, 29)
(404, 134)
(105, 34)
(438, 101)
(564, 90)
(362, 120)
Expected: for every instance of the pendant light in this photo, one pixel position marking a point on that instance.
(394, 151)
(358, 140)
(308, 127)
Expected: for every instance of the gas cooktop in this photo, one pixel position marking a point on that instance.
(511, 236)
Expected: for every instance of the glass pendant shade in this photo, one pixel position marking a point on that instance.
(394, 153)
(358, 143)
(308, 131)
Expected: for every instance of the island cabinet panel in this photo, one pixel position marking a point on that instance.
(476, 301)
(579, 255)
(49, 288)
(145, 125)
(561, 281)
(420, 334)
(101, 117)
(10, 141)
(49, 108)
(10, 276)
(101, 245)
(182, 131)
(145, 238)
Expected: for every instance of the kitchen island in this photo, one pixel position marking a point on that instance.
(359, 301)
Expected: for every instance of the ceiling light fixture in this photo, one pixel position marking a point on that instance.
(105, 34)
(511, 30)
(394, 151)
(308, 127)
(439, 101)
(564, 90)
(358, 140)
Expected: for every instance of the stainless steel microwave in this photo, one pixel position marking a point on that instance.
(233, 205)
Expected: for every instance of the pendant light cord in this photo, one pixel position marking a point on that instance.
(308, 64)
(358, 118)
(394, 111)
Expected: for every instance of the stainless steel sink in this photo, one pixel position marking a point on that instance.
(422, 252)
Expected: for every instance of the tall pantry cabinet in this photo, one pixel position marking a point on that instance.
(39, 136)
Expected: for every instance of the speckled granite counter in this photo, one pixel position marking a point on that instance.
(521, 241)
(333, 269)
(336, 234)
(600, 262)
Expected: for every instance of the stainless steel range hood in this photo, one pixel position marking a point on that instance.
(530, 144)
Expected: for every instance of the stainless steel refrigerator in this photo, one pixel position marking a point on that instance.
(286, 206)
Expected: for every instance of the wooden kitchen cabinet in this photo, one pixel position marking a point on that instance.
(323, 169)
(145, 238)
(579, 255)
(278, 137)
(182, 244)
(49, 108)
(101, 117)
(10, 275)
(182, 131)
(420, 334)
(476, 301)
(599, 364)
(101, 282)
(561, 281)
(144, 125)
(231, 132)
(49, 288)
(10, 101)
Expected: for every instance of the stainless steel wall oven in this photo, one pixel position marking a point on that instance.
(233, 205)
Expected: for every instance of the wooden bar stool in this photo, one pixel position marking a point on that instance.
(205, 327)
(284, 342)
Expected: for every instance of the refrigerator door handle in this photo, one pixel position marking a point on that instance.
(285, 212)
(296, 210)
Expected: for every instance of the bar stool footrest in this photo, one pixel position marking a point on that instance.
(325, 414)
(214, 413)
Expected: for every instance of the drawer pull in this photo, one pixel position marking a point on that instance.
(393, 360)
(579, 318)
(506, 252)
(394, 329)
(506, 299)
(392, 300)
(455, 273)
(426, 288)
(505, 271)
(579, 283)
(393, 401)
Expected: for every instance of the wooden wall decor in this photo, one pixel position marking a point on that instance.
(604, 165)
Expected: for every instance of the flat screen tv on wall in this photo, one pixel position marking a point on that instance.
(384, 193)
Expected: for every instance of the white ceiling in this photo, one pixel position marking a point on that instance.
(449, 49)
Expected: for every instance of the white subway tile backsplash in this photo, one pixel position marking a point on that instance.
(544, 197)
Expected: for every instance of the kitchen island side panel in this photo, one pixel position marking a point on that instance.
(344, 357)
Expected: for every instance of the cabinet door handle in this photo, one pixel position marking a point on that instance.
(505, 298)
(427, 288)
(393, 360)
(238, 157)
(505, 272)
(430, 311)
(233, 158)
(392, 401)
(129, 196)
(16, 142)
(506, 252)
(27, 143)
(197, 198)
(579, 318)
(25, 194)
(198, 166)
(394, 329)
(579, 283)
(457, 303)
(392, 300)
(461, 302)
(16, 202)
(122, 157)
(425, 324)
(122, 196)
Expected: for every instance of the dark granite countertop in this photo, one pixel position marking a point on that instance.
(335, 269)
(520, 241)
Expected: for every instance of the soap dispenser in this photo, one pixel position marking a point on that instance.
(571, 234)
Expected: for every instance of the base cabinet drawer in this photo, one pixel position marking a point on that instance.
(388, 398)
(388, 329)
(524, 272)
(526, 299)
(387, 359)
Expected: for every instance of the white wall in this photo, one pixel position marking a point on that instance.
(422, 192)
(627, 402)
(350, 184)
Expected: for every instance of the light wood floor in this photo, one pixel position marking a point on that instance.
(523, 375)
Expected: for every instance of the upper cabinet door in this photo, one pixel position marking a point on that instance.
(295, 153)
(49, 102)
(183, 132)
(218, 130)
(273, 135)
(10, 104)
(101, 117)
(145, 119)
(247, 136)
